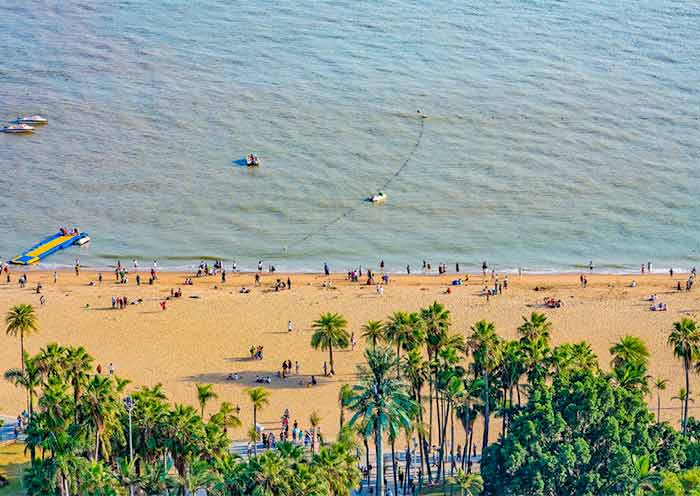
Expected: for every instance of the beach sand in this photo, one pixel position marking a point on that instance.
(206, 334)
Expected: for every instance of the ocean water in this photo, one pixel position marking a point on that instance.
(550, 133)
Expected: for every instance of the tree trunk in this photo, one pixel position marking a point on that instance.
(398, 360)
(409, 461)
(467, 431)
(441, 455)
(430, 404)
(369, 474)
(658, 408)
(505, 414)
(379, 484)
(21, 349)
(469, 451)
(687, 395)
(393, 466)
(452, 442)
(330, 350)
(97, 443)
(255, 427)
(487, 414)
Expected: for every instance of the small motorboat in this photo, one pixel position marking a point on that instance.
(83, 240)
(378, 198)
(18, 129)
(31, 119)
(252, 161)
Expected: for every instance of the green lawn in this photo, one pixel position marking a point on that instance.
(12, 463)
(442, 490)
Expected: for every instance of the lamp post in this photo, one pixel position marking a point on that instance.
(129, 404)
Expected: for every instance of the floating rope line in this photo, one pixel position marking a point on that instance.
(386, 184)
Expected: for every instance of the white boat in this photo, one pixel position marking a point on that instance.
(18, 129)
(83, 240)
(378, 198)
(31, 119)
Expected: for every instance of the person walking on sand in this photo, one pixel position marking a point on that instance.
(325, 369)
(289, 326)
(326, 269)
(353, 341)
(55, 277)
(297, 367)
(223, 276)
(110, 367)
(289, 283)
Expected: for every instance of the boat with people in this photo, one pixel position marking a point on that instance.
(252, 161)
(31, 119)
(18, 129)
(57, 241)
(378, 198)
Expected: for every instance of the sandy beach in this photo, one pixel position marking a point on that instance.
(207, 333)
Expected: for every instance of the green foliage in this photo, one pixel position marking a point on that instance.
(81, 427)
(330, 331)
(581, 435)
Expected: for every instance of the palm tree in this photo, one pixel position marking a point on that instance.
(330, 331)
(644, 478)
(76, 366)
(486, 349)
(314, 420)
(343, 395)
(629, 349)
(226, 417)
(417, 372)
(21, 320)
(684, 397)
(29, 379)
(205, 392)
(469, 484)
(259, 397)
(660, 385)
(535, 327)
(51, 359)
(685, 341)
(100, 407)
(405, 331)
(437, 324)
(381, 403)
(373, 331)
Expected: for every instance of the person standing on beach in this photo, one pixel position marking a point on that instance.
(590, 265)
(289, 283)
(408, 270)
(99, 277)
(326, 270)
(55, 277)
(484, 267)
(257, 279)
(111, 368)
(289, 326)
(136, 265)
(223, 276)
(260, 266)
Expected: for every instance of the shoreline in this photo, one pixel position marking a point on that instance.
(520, 272)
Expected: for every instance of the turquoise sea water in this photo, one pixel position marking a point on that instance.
(557, 132)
